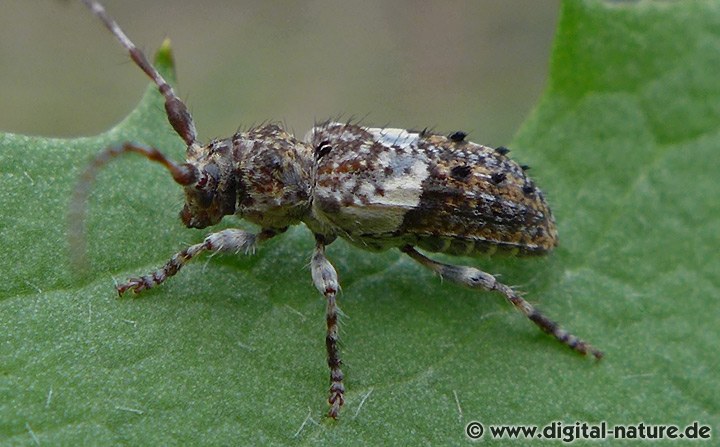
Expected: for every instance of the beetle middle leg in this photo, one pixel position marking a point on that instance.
(326, 281)
(230, 240)
(474, 278)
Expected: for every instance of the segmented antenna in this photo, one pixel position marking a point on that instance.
(178, 116)
(177, 112)
(184, 174)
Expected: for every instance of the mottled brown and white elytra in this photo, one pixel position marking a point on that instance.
(383, 188)
(378, 188)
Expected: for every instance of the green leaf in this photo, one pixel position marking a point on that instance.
(231, 351)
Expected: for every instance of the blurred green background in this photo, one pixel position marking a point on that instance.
(478, 66)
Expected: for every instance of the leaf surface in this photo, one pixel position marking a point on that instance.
(231, 351)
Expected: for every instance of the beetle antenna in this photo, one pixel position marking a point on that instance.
(184, 174)
(177, 111)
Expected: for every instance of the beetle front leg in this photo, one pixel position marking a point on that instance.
(326, 281)
(474, 278)
(230, 240)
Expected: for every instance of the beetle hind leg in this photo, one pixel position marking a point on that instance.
(474, 278)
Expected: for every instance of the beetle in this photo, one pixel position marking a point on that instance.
(378, 188)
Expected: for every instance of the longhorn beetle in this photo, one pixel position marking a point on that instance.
(378, 188)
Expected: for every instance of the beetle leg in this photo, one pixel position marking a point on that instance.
(474, 278)
(326, 281)
(230, 240)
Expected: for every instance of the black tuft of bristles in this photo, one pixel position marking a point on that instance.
(322, 149)
(498, 177)
(502, 150)
(460, 172)
(457, 136)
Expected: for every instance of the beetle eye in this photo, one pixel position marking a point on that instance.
(202, 182)
(205, 198)
(210, 171)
